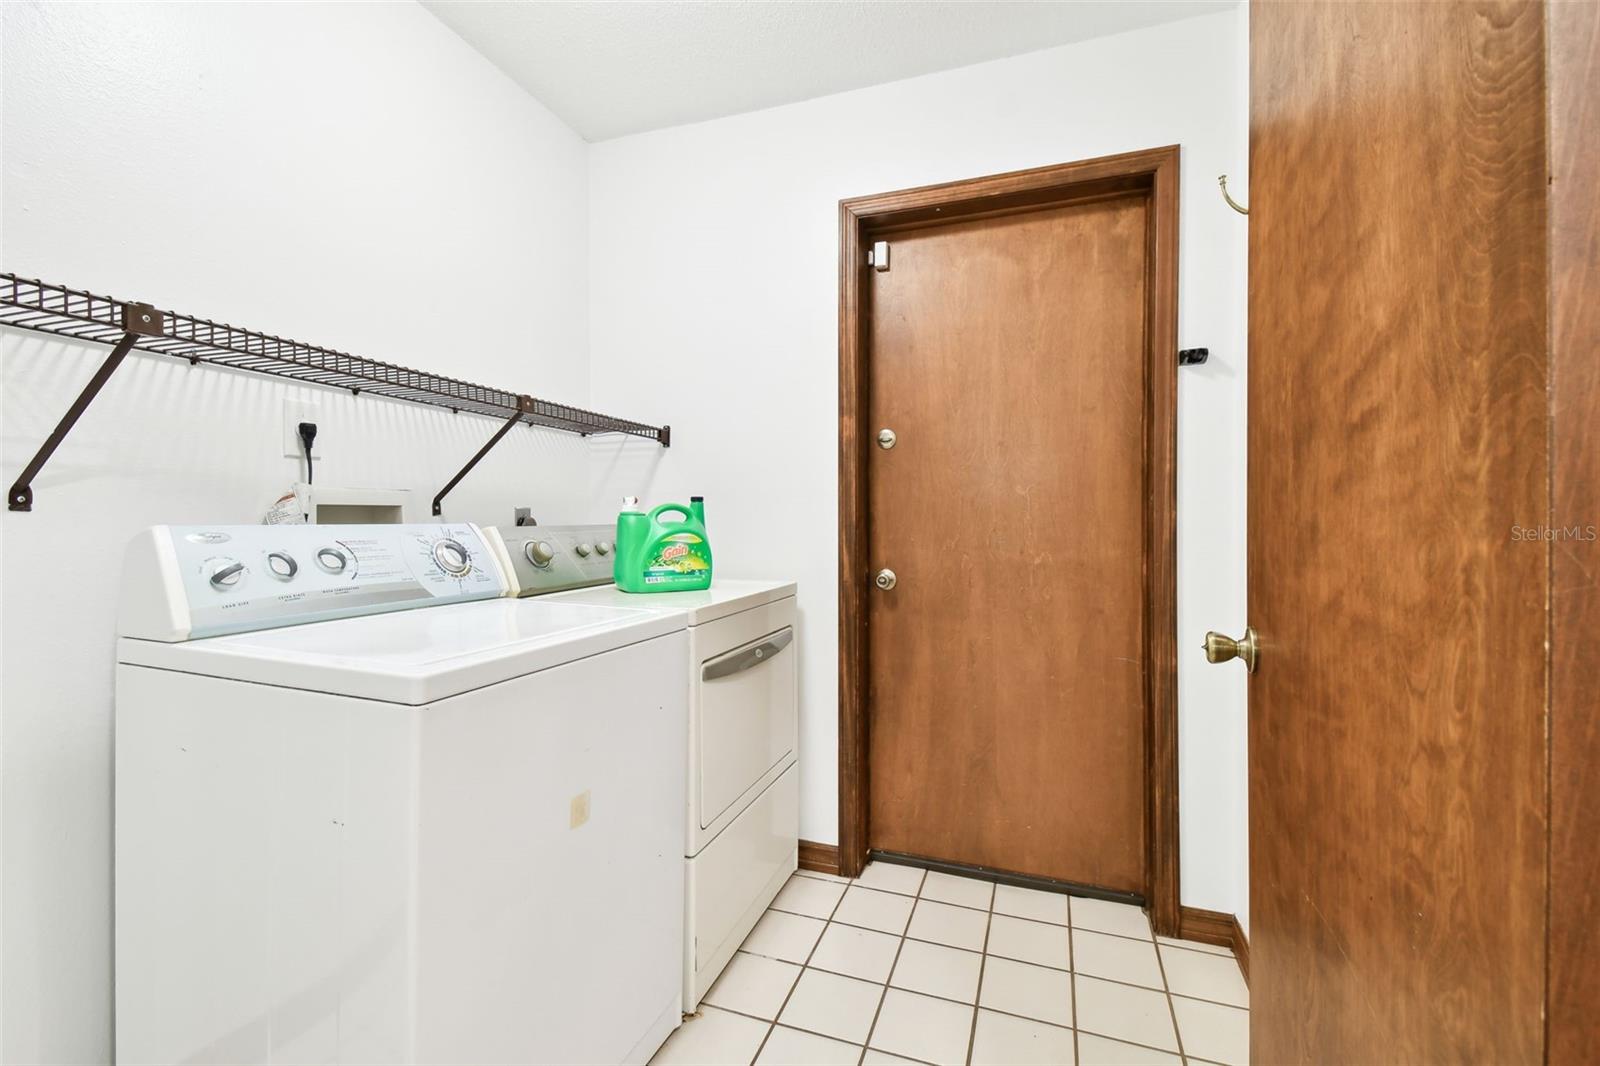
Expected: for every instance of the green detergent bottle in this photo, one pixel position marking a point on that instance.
(657, 554)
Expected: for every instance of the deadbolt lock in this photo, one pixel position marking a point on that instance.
(1219, 649)
(885, 579)
(886, 439)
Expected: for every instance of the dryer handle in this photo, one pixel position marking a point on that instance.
(743, 659)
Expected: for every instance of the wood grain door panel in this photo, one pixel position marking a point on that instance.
(1574, 94)
(1007, 676)
(1397, 439)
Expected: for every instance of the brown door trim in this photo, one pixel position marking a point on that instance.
(1153, 172)
(1572, 979)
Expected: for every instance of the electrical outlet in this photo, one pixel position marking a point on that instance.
(294, 413)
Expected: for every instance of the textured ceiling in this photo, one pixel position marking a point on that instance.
(611, 68)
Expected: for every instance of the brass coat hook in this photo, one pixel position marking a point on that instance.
(1222, 180)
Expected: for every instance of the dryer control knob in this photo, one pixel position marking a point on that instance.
(603, 547)
(539, 553)
(583, 551)
(227, 574)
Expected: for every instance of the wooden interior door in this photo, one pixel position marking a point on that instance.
(1007, 664)
(1397, 445)
(1573, 1011)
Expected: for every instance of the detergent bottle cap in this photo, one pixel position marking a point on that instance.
(630, 503)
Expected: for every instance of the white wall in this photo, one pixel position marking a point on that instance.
(1236, 735)
(713, 296)
(352, 175)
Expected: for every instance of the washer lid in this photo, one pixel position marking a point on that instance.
(412, 657)
(723, 598)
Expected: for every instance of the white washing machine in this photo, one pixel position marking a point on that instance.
(367, 810)
(742, 805)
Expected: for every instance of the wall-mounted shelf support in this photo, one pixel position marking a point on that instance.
(138, 320)
(510, 424)
(27, 303)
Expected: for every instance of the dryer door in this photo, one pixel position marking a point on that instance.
(746, 711)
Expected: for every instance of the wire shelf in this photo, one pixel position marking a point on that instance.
(28, 303)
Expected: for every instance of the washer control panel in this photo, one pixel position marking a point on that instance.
(231, 579)
(556, 558)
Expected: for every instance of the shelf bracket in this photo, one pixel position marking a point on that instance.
(138, 320)
(524, 406)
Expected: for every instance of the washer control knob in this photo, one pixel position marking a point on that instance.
(539, 553)
(332, 560)
(282, 566)
(452, 557)
(227, 574)
(583, 551)
(603, 547)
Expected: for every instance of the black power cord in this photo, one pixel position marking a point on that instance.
(308, 433)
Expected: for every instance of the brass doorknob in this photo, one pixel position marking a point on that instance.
(1219, 649)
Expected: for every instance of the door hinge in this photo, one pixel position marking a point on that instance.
(878, 255)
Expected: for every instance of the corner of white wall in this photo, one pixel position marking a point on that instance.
(353, 174)
(1242, 429)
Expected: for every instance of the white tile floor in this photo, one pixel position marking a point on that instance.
(900, 967)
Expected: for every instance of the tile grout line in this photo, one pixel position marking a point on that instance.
(1143, 988)
(1072, 967)
(992, 1010)
(803, 1029)
(772, 1025)
(984, 954)
(1159, 944)
(1007, 958)
(1022, 918)
(866, 1043)
(1213, 1002)
(1166, 991)
(1196, 946)
(983, 962)
(803, 966)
